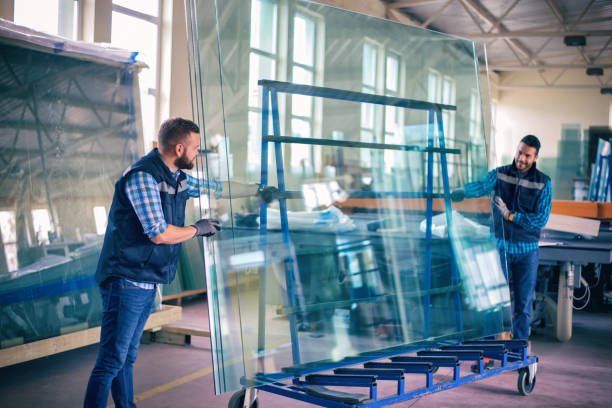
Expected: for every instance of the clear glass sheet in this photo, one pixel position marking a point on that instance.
(364, 262)
(69, 128)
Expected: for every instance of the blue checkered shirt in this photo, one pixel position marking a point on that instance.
(536, 220)
(143, 192)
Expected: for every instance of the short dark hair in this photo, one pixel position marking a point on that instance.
(532, 141)
(174, 131)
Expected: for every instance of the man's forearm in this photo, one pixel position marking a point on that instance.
(174, 235)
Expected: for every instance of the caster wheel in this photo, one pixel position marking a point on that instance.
(237, 401)
(524, 386)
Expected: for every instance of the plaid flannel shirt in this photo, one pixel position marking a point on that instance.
(536, 220)
(143, 192)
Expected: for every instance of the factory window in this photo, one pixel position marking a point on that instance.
(368, 110)
(441, 89)
(135, 26)
(9, 240)
(42, 225)
(475, 128)
(262, 65)
(100, 219)
(393, 115)
(302, 72)
(56, 17)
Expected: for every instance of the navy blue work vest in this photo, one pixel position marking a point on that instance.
(521, 194)
(127, 251)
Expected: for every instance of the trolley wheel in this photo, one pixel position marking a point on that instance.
(237, 401)
(524, 386)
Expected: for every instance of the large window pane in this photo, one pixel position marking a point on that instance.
(392, 73)
(150, 7)
(301, 153)
(260, 67)
(369, 65)
(263, 25)
(38, 15)
(303, 40)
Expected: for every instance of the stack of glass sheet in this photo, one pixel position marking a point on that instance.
(68, 129)
(365, 126)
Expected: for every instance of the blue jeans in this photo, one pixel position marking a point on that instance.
(126, 309)
(523, 270)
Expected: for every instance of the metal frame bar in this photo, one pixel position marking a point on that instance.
(270, 90)
(374, 372)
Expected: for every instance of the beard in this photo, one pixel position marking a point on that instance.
(183, 163)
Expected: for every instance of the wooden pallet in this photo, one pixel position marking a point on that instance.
(178, 334)
(179, 296)
(81, 338)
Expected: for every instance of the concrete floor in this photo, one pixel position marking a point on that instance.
(573, 374)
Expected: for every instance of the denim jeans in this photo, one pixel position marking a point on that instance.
(126, 308)
(523, 270)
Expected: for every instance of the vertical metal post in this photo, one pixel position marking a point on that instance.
(429, 215)
(449, 219)
(263, 220)
(598, 179)
(289, 275)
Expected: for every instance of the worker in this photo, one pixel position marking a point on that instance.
(521, 207)
(141, 249)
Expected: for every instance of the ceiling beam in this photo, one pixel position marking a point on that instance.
(436, 14)
(485, 14)
(534, 33)
(499, 67)
(396, 15)
(412, 3)
(551, 87)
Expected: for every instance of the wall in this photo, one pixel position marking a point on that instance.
(544, 113)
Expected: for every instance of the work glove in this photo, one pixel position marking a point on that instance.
(267, 193)
(206, 227)
(501, 206)
(458, 194)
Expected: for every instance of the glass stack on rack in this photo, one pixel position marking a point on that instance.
(365, 126)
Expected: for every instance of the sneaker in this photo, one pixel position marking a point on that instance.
(488, 363)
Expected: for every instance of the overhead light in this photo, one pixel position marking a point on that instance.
(606, 91)
(575, 40)
(594, 71)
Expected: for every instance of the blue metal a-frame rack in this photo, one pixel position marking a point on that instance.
(511, 354)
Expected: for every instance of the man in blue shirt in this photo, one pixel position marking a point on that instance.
(141, 249)
(520, 210)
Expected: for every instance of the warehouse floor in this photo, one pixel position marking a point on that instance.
(573, 374)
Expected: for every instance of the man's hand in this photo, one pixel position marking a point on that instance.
(501, 206)
(206, 227)
(267, 193)
(458, 194)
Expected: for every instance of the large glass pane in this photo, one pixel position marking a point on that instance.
(364, 254)
(63, 145)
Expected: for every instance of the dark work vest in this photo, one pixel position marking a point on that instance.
(521, 194)
(127, 252)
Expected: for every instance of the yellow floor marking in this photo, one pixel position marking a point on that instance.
(170, 385)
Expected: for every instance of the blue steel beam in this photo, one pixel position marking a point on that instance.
(351, 96)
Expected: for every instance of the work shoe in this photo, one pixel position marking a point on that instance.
(488, 363)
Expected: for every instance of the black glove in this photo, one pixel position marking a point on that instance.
(267, 193)
(206, 227)
(458, 194)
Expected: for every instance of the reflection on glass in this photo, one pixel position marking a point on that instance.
(363, 124)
